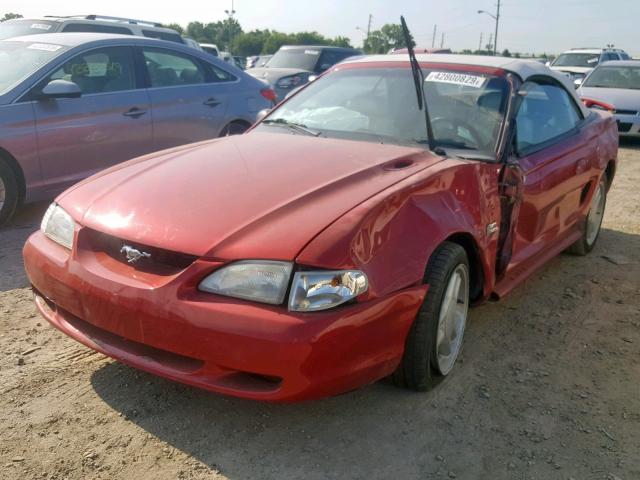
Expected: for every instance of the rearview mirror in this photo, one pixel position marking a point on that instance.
(262, 114)
(61, 89)
(325, 66)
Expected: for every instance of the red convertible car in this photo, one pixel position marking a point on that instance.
(341, 240)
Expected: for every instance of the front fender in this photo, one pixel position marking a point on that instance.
(392, 235)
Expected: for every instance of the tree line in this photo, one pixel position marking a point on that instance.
(228, 35)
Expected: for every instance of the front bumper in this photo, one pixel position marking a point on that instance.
(164, 325)
(628, 125)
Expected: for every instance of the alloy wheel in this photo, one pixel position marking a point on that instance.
(596, 212)
(453, 319)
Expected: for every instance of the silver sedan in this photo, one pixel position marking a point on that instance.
(615, 86)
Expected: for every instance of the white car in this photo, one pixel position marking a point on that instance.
(578, 62)
(210, 48)
(87, 23)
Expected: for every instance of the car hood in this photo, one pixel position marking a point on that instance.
(583, 70)
(622, 99)
(258, 195)
(272, 75)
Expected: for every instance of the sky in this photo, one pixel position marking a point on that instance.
(538, 26)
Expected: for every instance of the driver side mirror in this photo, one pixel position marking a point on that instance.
(577, 82)
(61, 89)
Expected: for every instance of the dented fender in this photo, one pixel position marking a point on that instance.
(392, 235)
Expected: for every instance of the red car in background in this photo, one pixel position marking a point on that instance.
(329, 247)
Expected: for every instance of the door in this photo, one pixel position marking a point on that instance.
(109, 123)
(189, 97)
(545, 179)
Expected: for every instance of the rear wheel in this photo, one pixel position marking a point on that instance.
(591, 228)
(234, 128)
(8, 193)
(435, 339)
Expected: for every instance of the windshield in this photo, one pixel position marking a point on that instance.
(379, 104)
(17, 28)
(300, 58)
(588, 60)
(614, 77)
(18, 60)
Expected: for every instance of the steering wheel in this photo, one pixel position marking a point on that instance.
(447, 128)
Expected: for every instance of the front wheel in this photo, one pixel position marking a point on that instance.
(435, 339)
(591, 228)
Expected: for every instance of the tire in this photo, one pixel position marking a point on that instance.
(234, 128)
(424, 363)
(593, 222)
(9, 194)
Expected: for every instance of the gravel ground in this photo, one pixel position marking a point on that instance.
(548, 388)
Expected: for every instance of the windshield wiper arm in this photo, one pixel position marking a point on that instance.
(298, 127)
(418, 80)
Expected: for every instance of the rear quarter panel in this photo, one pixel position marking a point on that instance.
(392, 235)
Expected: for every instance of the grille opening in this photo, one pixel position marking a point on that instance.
(624, 127)
(248, 381)
(626, 112)
(159, 261)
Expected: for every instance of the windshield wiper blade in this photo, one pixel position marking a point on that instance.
(298, 127)
(418, 80)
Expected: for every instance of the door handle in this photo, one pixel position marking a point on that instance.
(211, 102)
(134, 112)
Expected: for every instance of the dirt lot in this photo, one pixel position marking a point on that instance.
(548, 388)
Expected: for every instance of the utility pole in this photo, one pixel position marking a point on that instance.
(490, 44)
(496, 17)
(480, 44)
(368, 32)
(495, 38)
(442, 40)
(230, 13)
(433, 41)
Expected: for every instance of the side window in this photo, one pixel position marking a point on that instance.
(170, 37)
(85, 27)
(99, 71)
(610, 56)
(217, 74)
(328, 59)
(546, 112)
(169, 69)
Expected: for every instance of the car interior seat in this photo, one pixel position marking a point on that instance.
(118, 76)
(191, 76)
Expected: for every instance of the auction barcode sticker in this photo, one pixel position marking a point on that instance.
(456, 79)
(48, 47)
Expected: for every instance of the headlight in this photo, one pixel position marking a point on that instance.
(58, 225)
(259, 280)
(320, 290)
